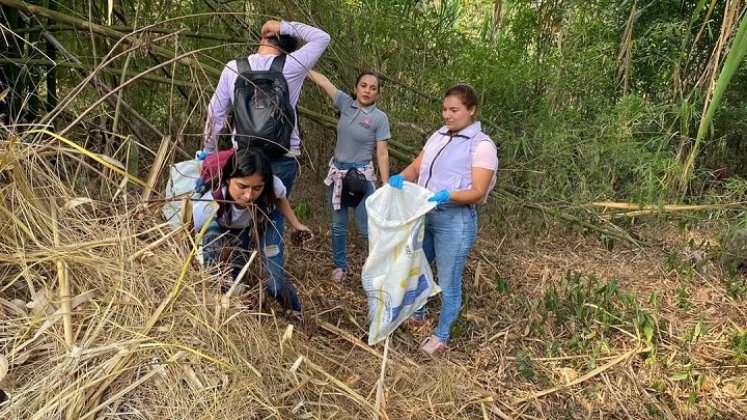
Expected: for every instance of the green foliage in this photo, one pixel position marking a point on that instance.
(503, 285)
(682, 297)
(526, 370)
(698, 331)
(739, 344)
(303, 211)
(587, 310)
(736, 286)
(733, 59)
(693, 260)
(525, 366)
(547, 74)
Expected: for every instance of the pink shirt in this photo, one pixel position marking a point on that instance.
(485, 156)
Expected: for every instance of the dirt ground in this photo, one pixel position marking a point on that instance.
(569, 362)
(557, 322)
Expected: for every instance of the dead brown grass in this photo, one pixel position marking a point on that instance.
(151, 338)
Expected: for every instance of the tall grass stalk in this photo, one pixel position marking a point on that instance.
(731, 63)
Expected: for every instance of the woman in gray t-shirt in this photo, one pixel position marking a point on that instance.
(362, 128)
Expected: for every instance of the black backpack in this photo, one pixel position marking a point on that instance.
(262, 114)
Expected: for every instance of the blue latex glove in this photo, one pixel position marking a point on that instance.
(440, 197)
(397, 181)
(199, 185)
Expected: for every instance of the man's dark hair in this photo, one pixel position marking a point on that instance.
(285, 43)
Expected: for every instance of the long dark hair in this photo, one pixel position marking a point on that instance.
(247, 162)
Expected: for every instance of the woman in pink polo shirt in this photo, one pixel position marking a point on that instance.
(458, 164)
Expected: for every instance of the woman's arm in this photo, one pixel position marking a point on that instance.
(204, 210)
(324, 83)
(382, 160)
(285, 209)
(412, 171)
(481, 178)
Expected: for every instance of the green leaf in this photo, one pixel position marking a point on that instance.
(699, 381)
(648, 331)
(679, 377)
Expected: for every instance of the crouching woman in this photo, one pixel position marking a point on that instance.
(240, 204)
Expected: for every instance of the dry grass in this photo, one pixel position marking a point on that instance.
(151, 338)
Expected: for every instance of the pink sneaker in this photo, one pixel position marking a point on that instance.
(338, 275)
(432, 345)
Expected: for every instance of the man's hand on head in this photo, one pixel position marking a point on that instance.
(271, 28)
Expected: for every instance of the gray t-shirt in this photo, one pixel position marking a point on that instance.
(358, 129)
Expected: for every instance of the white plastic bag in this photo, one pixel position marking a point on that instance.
(396, 276)
(182, 179)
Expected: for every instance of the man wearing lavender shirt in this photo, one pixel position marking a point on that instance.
(277, 38)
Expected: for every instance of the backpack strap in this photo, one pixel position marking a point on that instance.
(278, 63)
(243, 66)
(221, 200)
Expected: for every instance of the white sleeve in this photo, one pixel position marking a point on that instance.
(277, 185)
(203, 210)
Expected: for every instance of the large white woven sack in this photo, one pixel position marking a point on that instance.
(182, 179)
(396, 276)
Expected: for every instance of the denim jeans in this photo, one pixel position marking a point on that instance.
(450, 233)
(340, 218)
(220, 244)
(273, 246)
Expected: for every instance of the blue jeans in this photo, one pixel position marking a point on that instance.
(220, 244)
(273, 246)
(340, 218)
(450, 233)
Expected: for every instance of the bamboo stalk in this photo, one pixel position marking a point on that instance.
(624, 56)
(64, 284)
(587, 376)
(155, 169)
(186, 211)
(736, 52)
(110, 94)
(68, 64)
(52, 40)
(665, 208)
(382, 377)
(99, 30)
